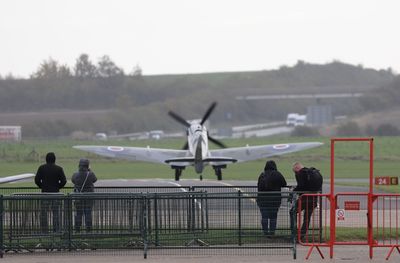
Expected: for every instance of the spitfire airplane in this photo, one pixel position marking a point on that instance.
(196, 152)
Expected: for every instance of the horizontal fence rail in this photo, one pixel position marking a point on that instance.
(144, 221)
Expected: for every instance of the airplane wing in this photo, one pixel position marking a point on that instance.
(148, 154)
(14, 178)
(249, 153)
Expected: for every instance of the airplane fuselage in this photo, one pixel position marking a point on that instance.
(198, 145)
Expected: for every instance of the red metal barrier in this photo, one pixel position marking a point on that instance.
(376, 215)
(386, 227)
(313, 224)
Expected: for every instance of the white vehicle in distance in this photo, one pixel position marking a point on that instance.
(301, 120)
(291, 119)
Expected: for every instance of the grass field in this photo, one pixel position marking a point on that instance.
(351, 158)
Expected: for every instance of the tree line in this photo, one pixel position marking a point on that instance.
(140, 102)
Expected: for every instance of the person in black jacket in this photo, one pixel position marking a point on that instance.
(83, 181)
(306, 184)
(50, 178)
(271, 180)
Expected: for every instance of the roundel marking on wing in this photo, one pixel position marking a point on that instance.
(281, 146)
(115, 148)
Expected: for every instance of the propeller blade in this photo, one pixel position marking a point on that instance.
(208, 112)
(179, 119)
(215, 141)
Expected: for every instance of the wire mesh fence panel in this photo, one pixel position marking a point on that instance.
(112, 221)
(179, 221)
(33, 221)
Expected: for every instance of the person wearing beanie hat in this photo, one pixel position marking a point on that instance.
(83, 181)
(269, 197)
(50, 178)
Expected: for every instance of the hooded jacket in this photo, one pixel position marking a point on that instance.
(271, 180)
(50, 177)
(84, 180)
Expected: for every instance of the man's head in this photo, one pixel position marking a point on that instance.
(50, 158)
(84, 164)
(297, 166)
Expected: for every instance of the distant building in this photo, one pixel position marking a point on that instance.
(319, 115)
(10, 133)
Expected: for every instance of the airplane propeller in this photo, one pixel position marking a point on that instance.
(208, 113)
(179, 119)
(215, 141)
(185, 123)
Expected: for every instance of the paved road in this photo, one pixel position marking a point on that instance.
(357, 254)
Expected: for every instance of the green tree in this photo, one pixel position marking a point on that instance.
(51, 69)
(84, 68)
(107, 68)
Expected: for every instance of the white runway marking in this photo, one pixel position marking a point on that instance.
(237, 188)
(180, 186)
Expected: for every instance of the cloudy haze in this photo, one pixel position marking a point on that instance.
(183, 36)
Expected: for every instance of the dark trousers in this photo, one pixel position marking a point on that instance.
(268, 219)
(83, 208)
(54, 207)
(269, 207)
(308, 205)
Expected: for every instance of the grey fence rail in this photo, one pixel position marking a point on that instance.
(144, 221)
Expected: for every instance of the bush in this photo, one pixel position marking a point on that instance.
(304, 131)
(349, 129)
(387, 130)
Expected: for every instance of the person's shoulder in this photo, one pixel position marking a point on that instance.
(304, 170)
(42, 166)
(59, 168)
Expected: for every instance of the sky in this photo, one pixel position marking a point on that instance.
(188, 36)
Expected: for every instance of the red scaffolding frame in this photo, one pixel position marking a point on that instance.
(371, 198)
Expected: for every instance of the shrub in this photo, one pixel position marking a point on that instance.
(305, 131)
(349, 129)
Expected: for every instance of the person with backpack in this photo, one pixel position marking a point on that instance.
(269, 197)
(309, 180)
(83, 181)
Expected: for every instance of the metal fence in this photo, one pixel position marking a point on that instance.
(145, 222)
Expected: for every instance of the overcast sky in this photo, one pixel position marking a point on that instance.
(187, 36)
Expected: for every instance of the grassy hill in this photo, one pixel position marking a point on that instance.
(62, 105)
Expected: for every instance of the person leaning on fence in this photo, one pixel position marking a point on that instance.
(308, 180)
(50, 178)
(83, 181)
(269, 197)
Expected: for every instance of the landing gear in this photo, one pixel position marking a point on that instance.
(201, 177)
(218, 171)
(178, 172)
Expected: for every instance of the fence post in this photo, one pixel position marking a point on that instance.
(1, 226)
(156, 219)
(240, 216)
(69, 217)
(292, 221)
(144, 224)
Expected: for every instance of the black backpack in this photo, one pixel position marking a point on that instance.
(314, 179)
